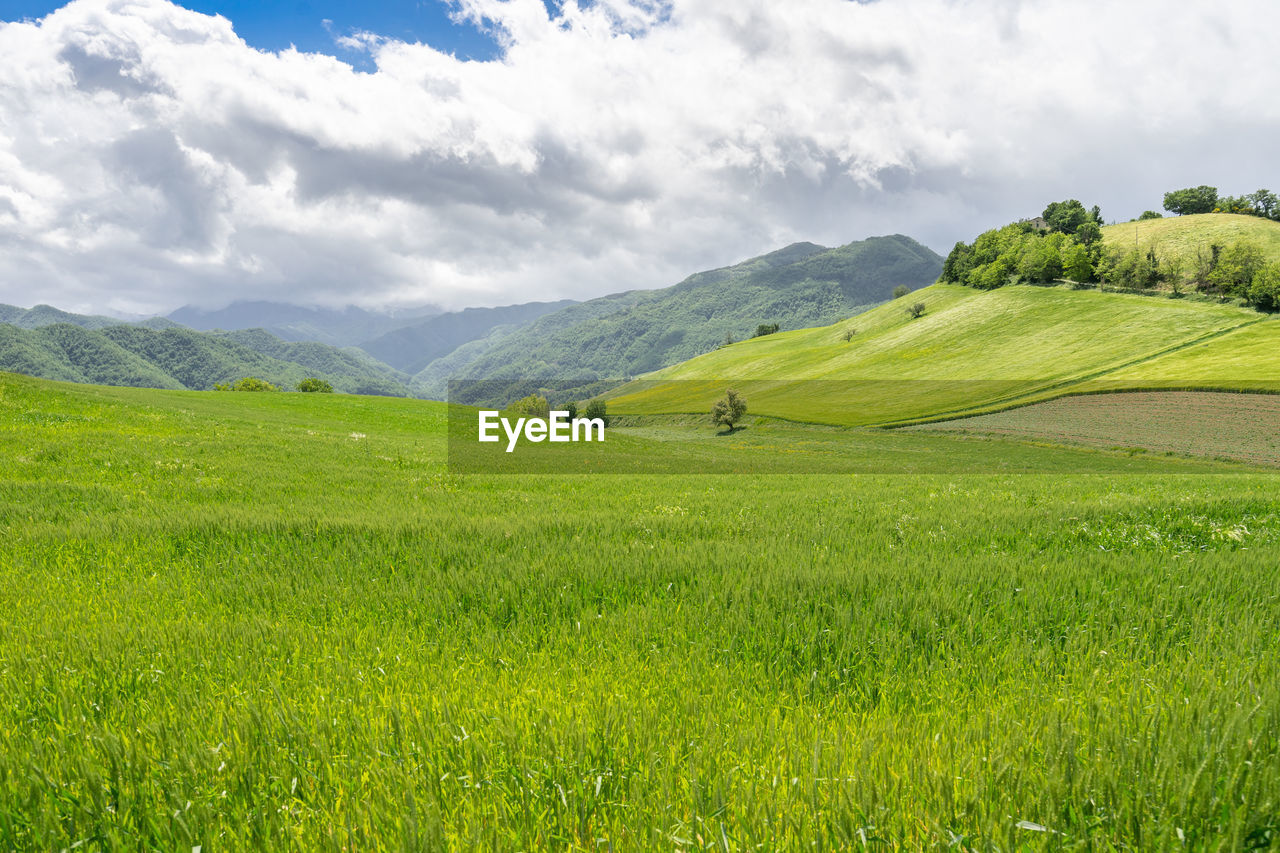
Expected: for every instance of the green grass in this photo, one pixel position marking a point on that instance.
(1183, 236)
(279, 622)
(971, 350)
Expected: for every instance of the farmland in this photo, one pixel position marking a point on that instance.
(279, 621)
(1216, 425)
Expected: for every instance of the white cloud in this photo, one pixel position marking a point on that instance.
(149, 158)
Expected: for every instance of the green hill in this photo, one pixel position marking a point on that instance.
(176, 358)
(971, 350)
(1184, 236)
(631, 333)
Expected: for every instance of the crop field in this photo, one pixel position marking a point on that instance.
(278, 621)
(1242, 427)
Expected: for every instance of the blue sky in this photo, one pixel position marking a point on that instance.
(276, 25)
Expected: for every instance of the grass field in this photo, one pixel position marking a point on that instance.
(972, 350)
(1183, 236)
(1244, 427)
(280, 622)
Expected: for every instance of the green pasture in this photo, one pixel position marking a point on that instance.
(971, 350)
(1184, 236)
(280, 622)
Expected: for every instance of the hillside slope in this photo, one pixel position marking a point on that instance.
(179, 358)
(631, 333)
(971, 349)
(1183, 236)
(413, 347)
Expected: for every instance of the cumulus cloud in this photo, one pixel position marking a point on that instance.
(149, 157)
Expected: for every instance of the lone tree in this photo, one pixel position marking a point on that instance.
(597, 409)
(901, 291)
(915, 310)
(729, 409)
(765, 329)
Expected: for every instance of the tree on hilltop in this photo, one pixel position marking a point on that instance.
(1201, 199)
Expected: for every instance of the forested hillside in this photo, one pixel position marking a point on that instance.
(635, 332)
(176, 358)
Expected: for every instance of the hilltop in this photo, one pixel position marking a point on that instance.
(1182, 237)
(630, 333)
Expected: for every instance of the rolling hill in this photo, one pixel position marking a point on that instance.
(975, 350)
(177, 358)
(1183, 236)
(971, 350)
(46, 315)
(631, 333)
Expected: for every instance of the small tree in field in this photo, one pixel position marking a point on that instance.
(729, 409)
(597, 409)
(916, 310)
(901, 291)
(848, 334)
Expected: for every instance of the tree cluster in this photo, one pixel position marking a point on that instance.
(1069, 247)
(1205, 199)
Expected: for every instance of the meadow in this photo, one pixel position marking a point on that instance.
(972, 351)
(279, 621)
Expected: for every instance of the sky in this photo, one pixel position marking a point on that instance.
(488, 152)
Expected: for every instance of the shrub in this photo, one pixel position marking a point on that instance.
(729, 409)
(248, 383)
(916, 310)
(765, 329)
(312, 385)
(1150, 214)
(532, 406)
(1264, 291)
(596, 409)
(901, 291)
(1237, 264)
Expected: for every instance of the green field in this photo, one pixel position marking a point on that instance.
(972, 350)
(1183, 236)
(278, 621)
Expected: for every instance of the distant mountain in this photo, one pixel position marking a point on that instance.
(123, 354)
(631, 333)
(339, 327)
(413, 347)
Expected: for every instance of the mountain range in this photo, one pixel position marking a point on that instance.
(417, 352)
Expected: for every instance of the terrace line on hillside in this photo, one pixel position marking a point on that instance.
(557, 428)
